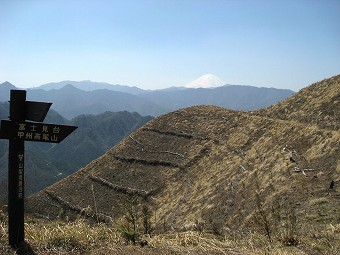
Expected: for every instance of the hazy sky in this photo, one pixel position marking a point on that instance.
(163, 43)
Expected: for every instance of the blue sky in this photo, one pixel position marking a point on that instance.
(157, 44)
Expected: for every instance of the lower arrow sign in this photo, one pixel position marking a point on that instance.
(33, 131)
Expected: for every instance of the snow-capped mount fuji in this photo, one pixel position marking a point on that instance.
(205, 81)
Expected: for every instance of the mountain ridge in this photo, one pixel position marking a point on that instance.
(88, 85)
(71, 101)
(235, 97)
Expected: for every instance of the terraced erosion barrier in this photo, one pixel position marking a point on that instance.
(87, 212)
(121, 189)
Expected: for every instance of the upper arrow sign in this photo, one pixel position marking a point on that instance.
(31, 131)
(36, 111)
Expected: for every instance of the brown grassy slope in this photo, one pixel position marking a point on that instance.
(318, 103)
(213, 160)
(214, 168)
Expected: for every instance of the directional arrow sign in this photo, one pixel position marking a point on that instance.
(17, 130)
(36, 111)
(32, 131)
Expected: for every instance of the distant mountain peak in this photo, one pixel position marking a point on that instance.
(5, 88)
(69, 87)
(205, 81)
(7, 85)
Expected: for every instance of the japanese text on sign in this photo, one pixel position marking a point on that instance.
(31, 131)
(21, 175)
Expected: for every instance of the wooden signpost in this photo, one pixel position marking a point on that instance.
(18, 130)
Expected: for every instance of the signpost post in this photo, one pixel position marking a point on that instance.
(17, 130)
(15, 188)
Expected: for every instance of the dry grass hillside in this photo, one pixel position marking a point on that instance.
(318, 103)
(275, 172)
